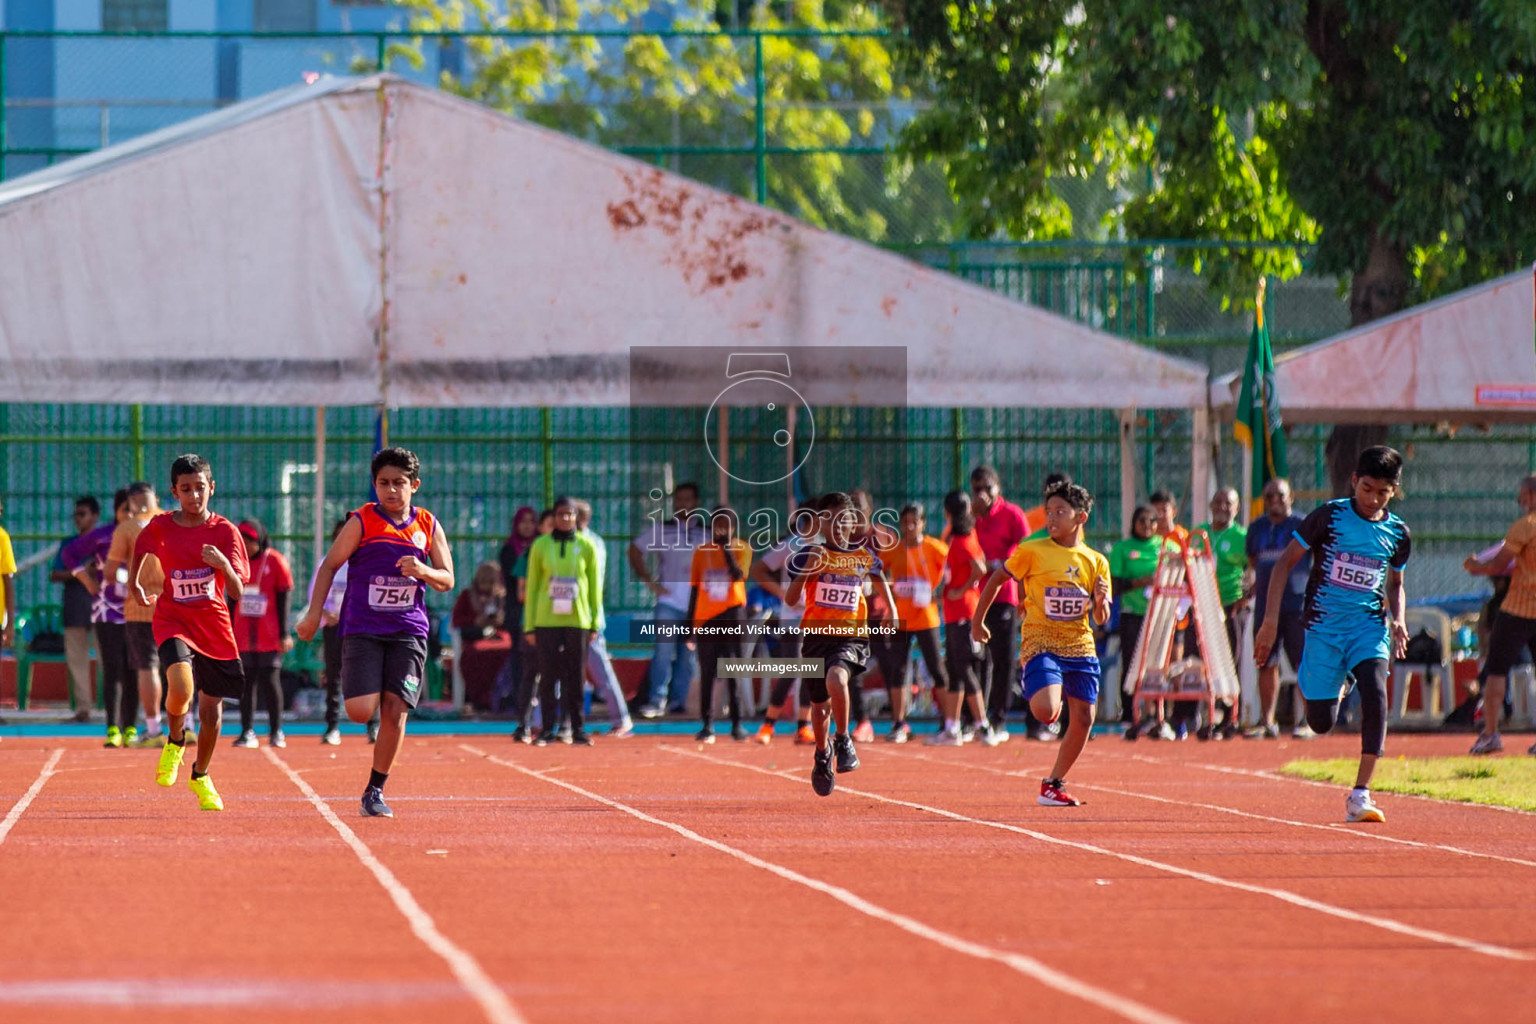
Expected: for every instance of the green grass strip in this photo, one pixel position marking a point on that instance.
(1508, 781)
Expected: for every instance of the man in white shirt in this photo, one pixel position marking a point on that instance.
(599, 665)
(673, 667)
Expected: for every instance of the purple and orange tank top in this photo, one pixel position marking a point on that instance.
(378, 599)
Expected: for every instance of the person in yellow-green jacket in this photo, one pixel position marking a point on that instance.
(564, 593)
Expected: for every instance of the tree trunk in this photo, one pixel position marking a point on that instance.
(1376, 291)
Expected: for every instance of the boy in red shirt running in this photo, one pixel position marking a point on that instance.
(204, 562)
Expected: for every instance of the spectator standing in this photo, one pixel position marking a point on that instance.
(673, 666)
(479, 615)
(138, 619)
(1267, 539)
(85, 557)
(1000, 527)
(7, 588)
(261, 633)
(330, 646)
(915, 568)
(1166, 508)
(599, 665)
(965, 568)
(718, 600)
(525, 527)
(1514, 627)
(564, 592)
(77, 611)
(771, 573)
(528, 684)
(1229, 547)
(1133, 568)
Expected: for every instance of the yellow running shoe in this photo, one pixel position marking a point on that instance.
(207, 797)
(170, 764)
(131, 736)
(114, 737)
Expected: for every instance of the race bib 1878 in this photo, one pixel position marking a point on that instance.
(839, 592)
(1065, 604)
(189, 586)
(1356, 572)
(391, 593)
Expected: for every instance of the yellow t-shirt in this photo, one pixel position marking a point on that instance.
(1521, 599)
(7, 568)
(1057, 583)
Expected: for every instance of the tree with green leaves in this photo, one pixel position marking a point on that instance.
(689, 103)
(1396, 135)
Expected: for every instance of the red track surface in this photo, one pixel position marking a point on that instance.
(119, 899)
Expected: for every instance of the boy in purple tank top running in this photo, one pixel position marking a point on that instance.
(393, 552)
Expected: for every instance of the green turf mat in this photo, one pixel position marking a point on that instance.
(1507, 781)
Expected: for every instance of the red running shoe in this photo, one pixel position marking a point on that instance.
(1053, 795)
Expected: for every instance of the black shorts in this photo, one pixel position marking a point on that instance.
(222, 679)
(853, 655)
(372, 664)
(1506, 646)
(141, 646)
(1291, 635)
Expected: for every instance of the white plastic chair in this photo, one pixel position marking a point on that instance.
(1436, 682)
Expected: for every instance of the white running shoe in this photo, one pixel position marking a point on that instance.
(1303, 732)
(1487, 744)
(991, 737)
(944, 738)
(1164, 731)
(1358, 807)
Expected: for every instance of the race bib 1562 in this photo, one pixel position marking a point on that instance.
(1065, 604)
(392, 593)
(1356, 572)
(189, 586)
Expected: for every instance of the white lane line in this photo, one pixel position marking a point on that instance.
(493, 1002)
(20, 806)
(1337, 830)
(1277, 777)
(1028, 966)
(1284, 895)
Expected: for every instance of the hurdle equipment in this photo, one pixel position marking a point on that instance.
(1184, 583)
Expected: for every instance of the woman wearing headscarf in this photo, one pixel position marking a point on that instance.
(525, 527)
(478, 615)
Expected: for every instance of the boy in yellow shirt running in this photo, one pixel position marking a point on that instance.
(1064, 581)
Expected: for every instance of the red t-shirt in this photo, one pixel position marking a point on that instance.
(999, 532)
(192, 607)
(962, 552)
(256, 625)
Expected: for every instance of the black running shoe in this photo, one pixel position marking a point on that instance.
(739, 733)
(522, 735)
(847, 757)
(581, 738)
(822, 779)
(374, 805)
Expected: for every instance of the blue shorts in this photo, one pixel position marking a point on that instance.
(1327, 660)
(1077, 677)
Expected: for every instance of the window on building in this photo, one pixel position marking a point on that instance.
(284, 15)
(135, 15)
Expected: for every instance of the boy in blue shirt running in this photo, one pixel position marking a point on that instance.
(1354, 609)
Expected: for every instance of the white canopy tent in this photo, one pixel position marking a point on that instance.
(1467, 357)
(362, 241)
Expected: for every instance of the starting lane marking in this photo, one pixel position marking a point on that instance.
(1337, 830)
(1277, 777)
(20, 807)
(493, 1002)
(1283, 895)
(1026, 965)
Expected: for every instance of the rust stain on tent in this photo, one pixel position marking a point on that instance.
(707, 236)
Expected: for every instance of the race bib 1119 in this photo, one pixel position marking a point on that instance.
(189, 586)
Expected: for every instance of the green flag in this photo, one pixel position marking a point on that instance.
(1258, 409)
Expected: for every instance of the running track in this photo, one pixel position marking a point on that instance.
(657, 880)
